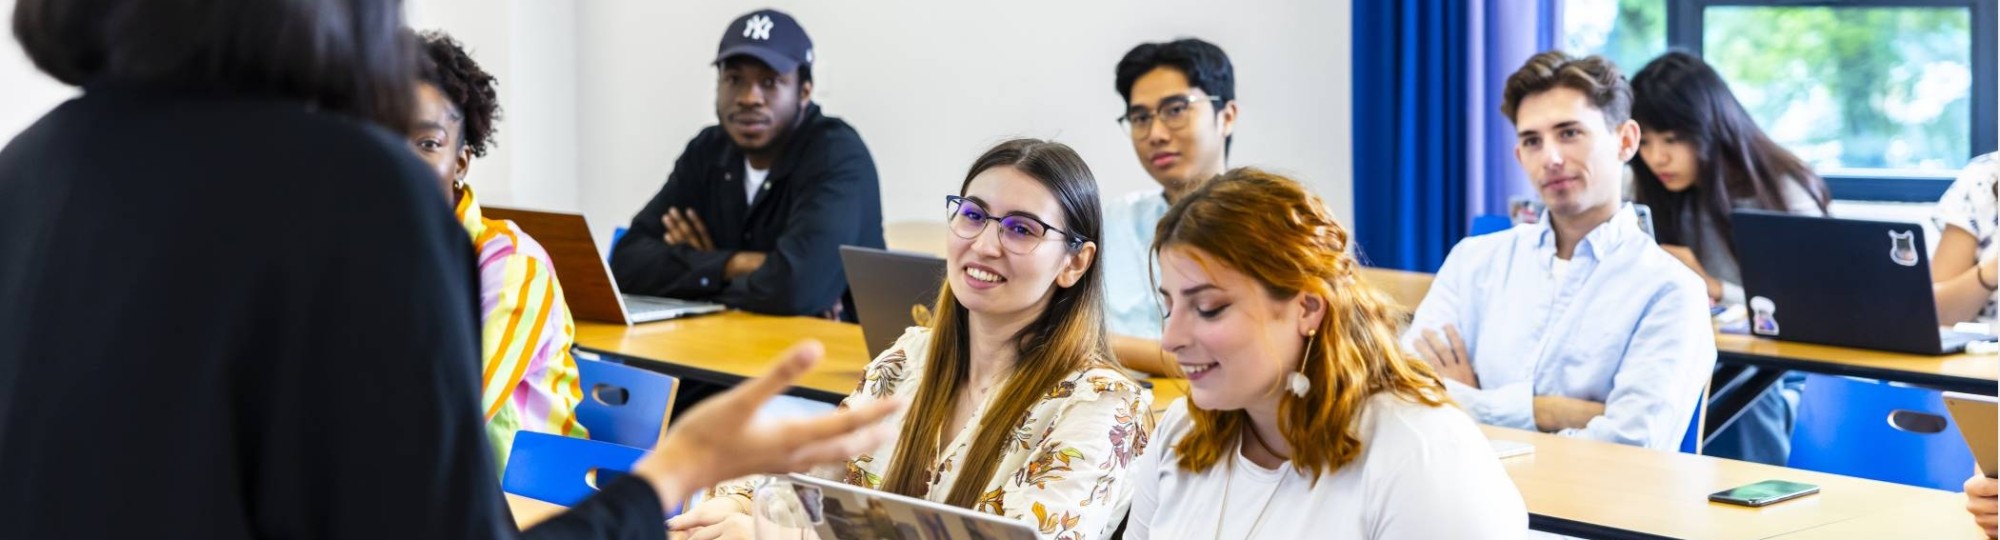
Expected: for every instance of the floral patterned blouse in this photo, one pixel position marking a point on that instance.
(1066, 475)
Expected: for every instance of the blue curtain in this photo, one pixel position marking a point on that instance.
(1431, 149)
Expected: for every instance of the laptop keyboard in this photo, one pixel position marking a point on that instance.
(639, 306)
(1954, 340)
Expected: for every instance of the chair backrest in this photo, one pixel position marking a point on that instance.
(1691, 441)
(1488, 224)
(624, 404)
(1880, 431)
(563, 470)
(616, 235)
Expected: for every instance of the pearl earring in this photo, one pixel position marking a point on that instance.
(1299, 383)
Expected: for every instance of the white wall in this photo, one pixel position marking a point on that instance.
(25, 93)
(530, 46)
(930, 86)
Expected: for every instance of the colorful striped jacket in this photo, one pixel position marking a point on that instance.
(528, 378)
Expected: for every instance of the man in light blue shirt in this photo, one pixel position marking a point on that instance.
(1578, 325)
(1180, 109)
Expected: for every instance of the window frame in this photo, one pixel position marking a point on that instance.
(1684, 31)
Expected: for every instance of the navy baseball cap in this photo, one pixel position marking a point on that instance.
(770, 36)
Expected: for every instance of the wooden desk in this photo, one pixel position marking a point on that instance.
(927, 237)
(528, 512)
(1595, 489)
(1957, 372)
(727, 348)
(1405, 287)
(1937, 515)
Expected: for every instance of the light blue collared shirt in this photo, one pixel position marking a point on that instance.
(1131, 301)
(1627, 326)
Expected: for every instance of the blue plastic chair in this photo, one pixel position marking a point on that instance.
(1880, 431)
(623, 404)
(1488, 224)
(563, 470)
(1691, 441)
(616, 234)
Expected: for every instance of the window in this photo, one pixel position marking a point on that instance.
(1629, 32)
(1887, 99)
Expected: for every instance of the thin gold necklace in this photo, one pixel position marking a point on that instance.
(1227, 476)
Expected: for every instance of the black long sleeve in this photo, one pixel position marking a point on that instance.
(831, 207)
(643, 263)
(253, 321)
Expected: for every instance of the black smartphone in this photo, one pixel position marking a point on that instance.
(1764, 493)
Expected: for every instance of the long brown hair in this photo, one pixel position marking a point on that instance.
(1068, 337)
(1271, 229)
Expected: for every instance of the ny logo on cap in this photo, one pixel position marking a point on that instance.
(757, 27)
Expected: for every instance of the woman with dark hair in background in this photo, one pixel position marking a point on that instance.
(1701, 157)
(236, 305)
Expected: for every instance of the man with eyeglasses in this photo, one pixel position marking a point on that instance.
(757, 207)
(1180, 109)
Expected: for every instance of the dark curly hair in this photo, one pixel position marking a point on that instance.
(471, 89)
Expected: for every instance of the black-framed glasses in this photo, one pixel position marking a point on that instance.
(1172, 112)
(1019, 233)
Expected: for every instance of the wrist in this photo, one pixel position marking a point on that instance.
(669, 484)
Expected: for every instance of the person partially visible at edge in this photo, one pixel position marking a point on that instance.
(260, 319)
(528, 378)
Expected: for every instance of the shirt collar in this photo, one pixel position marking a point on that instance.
(1624, 226)
(468, 213)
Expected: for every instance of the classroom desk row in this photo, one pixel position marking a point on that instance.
(1573, 487)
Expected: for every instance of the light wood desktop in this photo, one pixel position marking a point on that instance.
(1566, 481)
(1936, 515)
(528, 512)
(732, 346)
(1405, 287)
(927, 237)
(1971, 373)
(1624, 489)
(729, 347)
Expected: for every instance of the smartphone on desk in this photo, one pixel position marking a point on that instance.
(1764, 493)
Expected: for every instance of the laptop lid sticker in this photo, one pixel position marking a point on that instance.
(1903, 247)
(1763, 316)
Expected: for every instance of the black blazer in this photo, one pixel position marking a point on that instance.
(224, 317)
(821, 194)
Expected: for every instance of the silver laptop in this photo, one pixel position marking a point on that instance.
(586, 279)
(836, 511)
(892, 290)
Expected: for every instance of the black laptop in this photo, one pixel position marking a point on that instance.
(1843, 282)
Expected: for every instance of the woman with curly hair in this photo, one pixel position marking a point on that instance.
(528, 378)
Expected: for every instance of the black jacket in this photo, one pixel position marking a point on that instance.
(821, 194)
(224, 317)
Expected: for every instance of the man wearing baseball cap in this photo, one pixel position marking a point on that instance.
(757, 207)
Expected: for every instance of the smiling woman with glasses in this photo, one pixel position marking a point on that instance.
(1016, 407)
